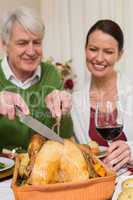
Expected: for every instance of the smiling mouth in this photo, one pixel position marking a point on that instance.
(99, 67)
(29, 60)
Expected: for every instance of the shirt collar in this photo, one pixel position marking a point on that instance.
(9, 73)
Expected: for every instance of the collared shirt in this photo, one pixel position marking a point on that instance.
(11, 76)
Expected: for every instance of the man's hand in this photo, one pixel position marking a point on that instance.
(119, 154)
(8, 101)
(58, 102)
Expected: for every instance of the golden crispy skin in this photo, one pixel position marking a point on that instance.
(56, 162)
(24, 160)
(34, 147)
(47, 163)
(73, 164)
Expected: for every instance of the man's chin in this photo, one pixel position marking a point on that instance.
(30, 66)
(29, 69)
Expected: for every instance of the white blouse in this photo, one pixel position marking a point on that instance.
(81, 110)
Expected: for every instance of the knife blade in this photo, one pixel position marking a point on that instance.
(38, 126)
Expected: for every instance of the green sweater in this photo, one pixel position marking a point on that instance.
(15, 134)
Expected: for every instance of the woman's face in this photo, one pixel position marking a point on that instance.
(102, 53)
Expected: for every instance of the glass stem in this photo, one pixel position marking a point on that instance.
(109, 142)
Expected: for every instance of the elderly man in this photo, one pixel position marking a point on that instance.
(25, 81)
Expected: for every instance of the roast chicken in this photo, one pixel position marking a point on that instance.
(52, 162)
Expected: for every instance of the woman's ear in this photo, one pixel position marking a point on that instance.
(120, 54)
(85, 50)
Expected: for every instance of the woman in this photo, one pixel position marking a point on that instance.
(103, 49)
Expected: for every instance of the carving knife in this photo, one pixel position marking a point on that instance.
(38, 126)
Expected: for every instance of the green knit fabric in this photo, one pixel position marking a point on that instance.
(14, 133)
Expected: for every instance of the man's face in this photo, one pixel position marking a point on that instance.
(24, 51)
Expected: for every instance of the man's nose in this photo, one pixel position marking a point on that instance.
(30, 49)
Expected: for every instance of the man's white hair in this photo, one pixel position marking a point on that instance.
(26, 17)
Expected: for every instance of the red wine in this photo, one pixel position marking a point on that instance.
(110, 133)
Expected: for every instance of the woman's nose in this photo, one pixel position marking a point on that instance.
(100, 56)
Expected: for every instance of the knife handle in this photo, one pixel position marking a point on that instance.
(18, 111)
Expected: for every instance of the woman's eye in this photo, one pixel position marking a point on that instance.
(92, 49)
(109, 52)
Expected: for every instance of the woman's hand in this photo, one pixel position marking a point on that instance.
(118, 155)
(8, 101)
(58, 102)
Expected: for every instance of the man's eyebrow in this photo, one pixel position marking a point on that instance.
(22, 39)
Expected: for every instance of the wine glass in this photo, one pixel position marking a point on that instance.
(108, 120)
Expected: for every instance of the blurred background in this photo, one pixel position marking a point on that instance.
(67, 23)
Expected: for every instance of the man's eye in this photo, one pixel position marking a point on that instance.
(38, 43)
(21, 43)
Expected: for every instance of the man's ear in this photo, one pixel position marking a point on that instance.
(3, 48)
(3, 45)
